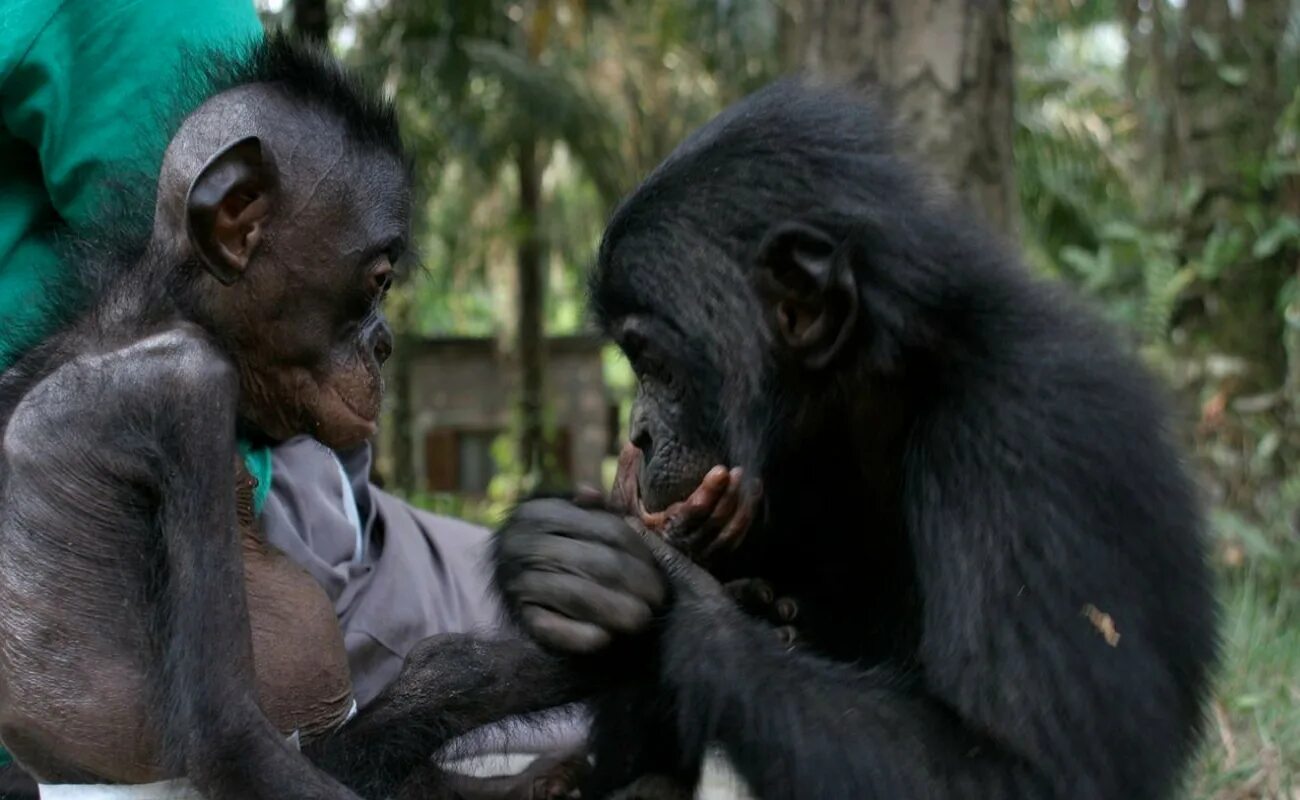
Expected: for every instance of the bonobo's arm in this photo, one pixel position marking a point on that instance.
(794, 725)
(188, 391)
(995, 705)
(449, 685)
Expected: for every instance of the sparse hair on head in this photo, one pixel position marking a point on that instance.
(305, 72)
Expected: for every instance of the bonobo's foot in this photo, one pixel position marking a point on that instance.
(709, 523)
(757, 598)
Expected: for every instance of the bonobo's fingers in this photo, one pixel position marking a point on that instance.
(562, 633)
(732, 517)
(597, 562)
(757, 599)
(786, 609)
(710, 522)
(582, 599)
(687, 578)
(590, 497)
(788, 636)
(681, 518)
(576, 578)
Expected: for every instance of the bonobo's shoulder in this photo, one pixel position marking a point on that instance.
(155, 361)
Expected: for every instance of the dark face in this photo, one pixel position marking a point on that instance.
(730, 357)
(307, 246)
(672, 424)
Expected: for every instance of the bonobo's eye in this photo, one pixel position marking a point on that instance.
(648, 358)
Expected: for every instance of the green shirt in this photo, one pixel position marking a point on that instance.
(83, 91)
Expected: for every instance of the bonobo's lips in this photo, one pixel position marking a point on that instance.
(627, 495)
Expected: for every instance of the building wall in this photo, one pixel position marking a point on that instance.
(467, 384)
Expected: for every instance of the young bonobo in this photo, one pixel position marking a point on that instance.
(146, 629)
(966, 482)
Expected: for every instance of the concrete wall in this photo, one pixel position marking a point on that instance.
(466, 383)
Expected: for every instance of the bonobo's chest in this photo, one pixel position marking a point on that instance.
(303, 679)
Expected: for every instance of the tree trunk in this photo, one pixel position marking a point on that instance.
(532, 304)
(311, 20)
(943, 67)
(1226, 93)
(1225, 98)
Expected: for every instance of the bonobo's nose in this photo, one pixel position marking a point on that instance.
(381, 342)
(639, 432)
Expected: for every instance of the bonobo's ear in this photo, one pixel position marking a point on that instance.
(808, 291)
(227, 207)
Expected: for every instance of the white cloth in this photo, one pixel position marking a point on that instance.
(179, 789)
(175, 789)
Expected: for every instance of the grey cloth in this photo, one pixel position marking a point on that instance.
(418, 574)
(399, 576)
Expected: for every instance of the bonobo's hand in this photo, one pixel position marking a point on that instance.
(574, 578)
(709, 523)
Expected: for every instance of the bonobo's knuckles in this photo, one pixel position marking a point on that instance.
(575, 578)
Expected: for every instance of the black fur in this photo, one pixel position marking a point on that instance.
(308, 74)
(965, 499)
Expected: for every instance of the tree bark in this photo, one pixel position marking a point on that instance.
(943, 67)
(311, 20)
(1218, 122)
(532, 304)
(1224, 99)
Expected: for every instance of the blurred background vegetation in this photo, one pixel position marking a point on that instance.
(1145, 151)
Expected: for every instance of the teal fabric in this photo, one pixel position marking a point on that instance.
(258, 460)
(83, 85)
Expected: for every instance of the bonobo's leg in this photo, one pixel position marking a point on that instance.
(206, 680)
(142, 438)
(449, 685)
(170, 421)
(633, 735)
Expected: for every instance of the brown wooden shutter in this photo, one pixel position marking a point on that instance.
(440, 460)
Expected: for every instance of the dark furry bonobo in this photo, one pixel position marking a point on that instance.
(967, 481)
(148, 629)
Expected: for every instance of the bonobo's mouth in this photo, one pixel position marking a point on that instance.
(706, 522)
(628, 495)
